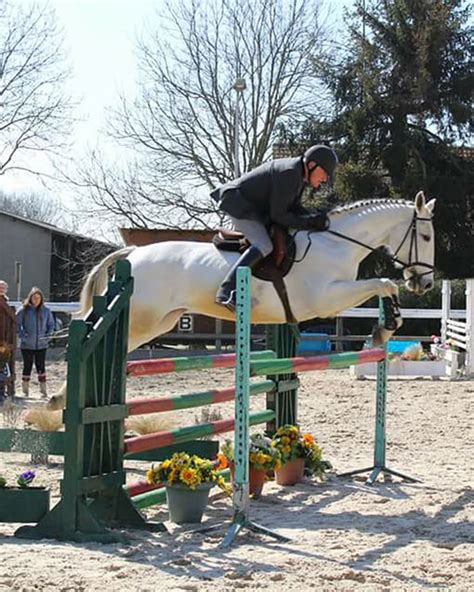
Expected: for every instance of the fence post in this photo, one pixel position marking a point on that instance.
(241, 438)
(470, 327)
(445, 308)
(379, 466)
(283, 400)
(92, 495)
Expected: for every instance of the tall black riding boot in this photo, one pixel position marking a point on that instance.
(226, 293)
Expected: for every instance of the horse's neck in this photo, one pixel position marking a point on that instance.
(374, 225)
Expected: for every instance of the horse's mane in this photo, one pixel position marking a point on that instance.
(381, 203)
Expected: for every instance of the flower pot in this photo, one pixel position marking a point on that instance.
(257, 479)
(27, 504)
(186, 504)
(291, 472)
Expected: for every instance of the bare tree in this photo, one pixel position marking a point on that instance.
(35, 112)
(136, 194)
(33, 206)
(181, 125)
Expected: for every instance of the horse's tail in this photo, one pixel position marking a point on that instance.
(96, 281)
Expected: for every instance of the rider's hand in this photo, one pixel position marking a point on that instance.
(318, 222)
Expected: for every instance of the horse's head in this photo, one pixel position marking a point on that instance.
(417, 249)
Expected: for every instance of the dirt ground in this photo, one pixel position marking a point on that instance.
(344, 534)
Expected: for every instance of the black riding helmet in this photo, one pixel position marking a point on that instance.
(322, 156)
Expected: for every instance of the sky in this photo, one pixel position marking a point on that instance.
(100, 40)
(101, 36)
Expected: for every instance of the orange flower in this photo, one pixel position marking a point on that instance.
(308, 438)
(222, 461)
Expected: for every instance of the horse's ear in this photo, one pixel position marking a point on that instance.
(420, 201)
(430, 206)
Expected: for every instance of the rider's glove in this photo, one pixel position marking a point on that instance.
(317, 222)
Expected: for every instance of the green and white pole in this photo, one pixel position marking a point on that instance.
(241, 443)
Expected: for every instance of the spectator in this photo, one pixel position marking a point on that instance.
(7, 337)
(35, 323)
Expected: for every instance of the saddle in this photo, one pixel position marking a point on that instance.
(272, 268)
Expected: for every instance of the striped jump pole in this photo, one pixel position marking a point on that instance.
(168, 365)
(180, 435)
(187, 401)
(309, 364)
(242, 417)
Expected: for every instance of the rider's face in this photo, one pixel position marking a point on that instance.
(316, 175)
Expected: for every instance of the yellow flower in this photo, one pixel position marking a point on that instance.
(285, 440)
(189, 477)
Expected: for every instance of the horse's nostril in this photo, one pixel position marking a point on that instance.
(429, 285)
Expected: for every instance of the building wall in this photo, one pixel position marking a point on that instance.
(30, 245)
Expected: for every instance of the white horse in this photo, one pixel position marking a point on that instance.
(173, 278)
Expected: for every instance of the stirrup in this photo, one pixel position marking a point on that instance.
(230, 302)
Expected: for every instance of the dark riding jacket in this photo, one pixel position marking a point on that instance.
(270, 193)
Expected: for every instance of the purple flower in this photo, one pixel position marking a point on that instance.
(25, 478)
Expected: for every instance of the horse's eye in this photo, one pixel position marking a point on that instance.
(426, 237)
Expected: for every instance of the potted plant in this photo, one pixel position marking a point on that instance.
(263, 457)
(23, 503)
(297, 450)
(188, 480)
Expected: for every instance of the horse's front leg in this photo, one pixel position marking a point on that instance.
(350, 293)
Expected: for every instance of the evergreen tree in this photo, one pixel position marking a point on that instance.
(405, 83)
(402, 92)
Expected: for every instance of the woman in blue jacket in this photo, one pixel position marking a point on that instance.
(35, 323)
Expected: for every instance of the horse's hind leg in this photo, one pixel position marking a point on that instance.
(149, 329)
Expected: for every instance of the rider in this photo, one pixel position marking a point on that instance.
(271, 194)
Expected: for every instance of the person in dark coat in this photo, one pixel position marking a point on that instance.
(7, 339)
(271, 194)
(35, 324)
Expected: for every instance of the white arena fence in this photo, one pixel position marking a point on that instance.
(457, 327)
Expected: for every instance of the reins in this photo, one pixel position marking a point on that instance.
(411, 231)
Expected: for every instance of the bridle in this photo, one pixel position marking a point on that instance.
(410, 234)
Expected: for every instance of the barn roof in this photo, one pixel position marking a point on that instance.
(52, 228)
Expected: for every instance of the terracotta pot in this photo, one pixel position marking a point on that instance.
(291, 472)
(257, 478)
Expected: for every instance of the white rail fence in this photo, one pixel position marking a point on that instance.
(457, 326)
(457, 334)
